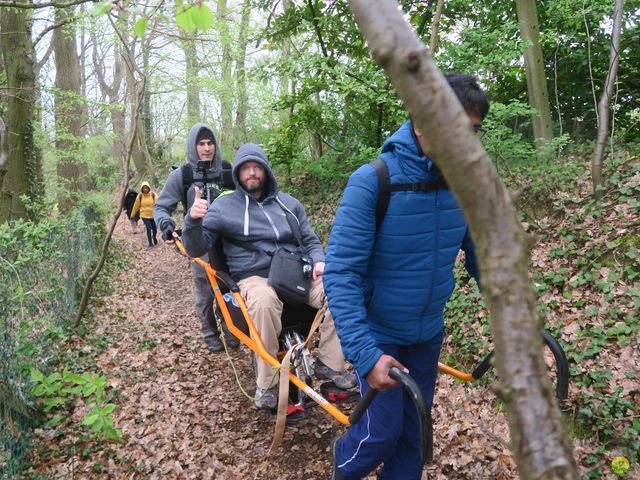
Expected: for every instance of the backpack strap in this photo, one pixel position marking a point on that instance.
(187, 179)
(224, 179)
(385, 187)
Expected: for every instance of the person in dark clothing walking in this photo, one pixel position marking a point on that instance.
(129, 201)
(202, 149)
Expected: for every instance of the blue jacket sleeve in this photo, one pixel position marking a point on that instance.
(470, 259)
(350, 247)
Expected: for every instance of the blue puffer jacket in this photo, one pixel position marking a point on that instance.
(391, 287)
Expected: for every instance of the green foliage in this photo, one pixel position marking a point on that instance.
(42, 266)
(192, 17)
(57, 389)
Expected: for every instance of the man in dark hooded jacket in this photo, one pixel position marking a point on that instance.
(206, 164)
(255, 213)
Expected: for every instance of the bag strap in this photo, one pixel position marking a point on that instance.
(385, 187)
(293, 224)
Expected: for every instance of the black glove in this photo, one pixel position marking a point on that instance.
(168, 234)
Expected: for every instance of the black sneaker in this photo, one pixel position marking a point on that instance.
(214, 344)
(232, 342)
(335, 473)
(229, 338)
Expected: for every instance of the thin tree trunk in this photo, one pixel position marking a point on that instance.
(226, 83)
(84, 300)
(242, 107)
(435, 27)
(603, 104)
(192, 69)
(536, 76)
(539, 443)
(146, 113)
(19, 174)
(69, 114)
(4, 151)
(112, 92)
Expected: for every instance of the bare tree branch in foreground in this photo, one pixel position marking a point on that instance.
(107, 240)
(538, 440)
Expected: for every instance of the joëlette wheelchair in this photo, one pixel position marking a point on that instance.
(296, 322)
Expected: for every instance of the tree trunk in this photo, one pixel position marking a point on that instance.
(192, 69)
(226, 83)
(242, 107)
(536, 77)
(4, 151)
(146, 114)
(435, 26)
(69, 114)
(137, 154)
(112, 92)
(539, 443)
(603, 104)
(19, 174)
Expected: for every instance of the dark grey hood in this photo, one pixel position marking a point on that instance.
(250, 152)
(192, 153)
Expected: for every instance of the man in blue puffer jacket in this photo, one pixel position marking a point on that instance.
(387, 288)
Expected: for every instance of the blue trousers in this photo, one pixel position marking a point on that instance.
(388, 432)
(152, 230)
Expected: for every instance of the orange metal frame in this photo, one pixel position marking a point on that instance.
(254, 342)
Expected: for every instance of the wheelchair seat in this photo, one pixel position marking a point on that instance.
(294, 317)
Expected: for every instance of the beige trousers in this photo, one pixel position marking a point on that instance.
(265, 309)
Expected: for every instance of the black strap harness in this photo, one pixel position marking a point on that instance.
(385, 187)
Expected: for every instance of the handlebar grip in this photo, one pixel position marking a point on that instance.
(413, 390)
(362, 406)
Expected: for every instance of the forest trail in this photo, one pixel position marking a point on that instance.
(183, 414)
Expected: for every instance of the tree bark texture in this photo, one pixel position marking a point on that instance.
(69, 114)
(605, 99)
(226, 83)
(435, 27)
(536, 76)
(20, 173)
(192, 69)
(112, 92)
(4, 151)
(539, 443)
(242, 107)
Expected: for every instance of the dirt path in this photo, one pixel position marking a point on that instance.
(184, 416)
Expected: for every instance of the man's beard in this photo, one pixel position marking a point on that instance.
(256, 188)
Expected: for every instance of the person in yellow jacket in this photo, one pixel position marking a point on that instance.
(144, 204)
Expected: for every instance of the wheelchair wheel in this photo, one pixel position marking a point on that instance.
(300, 365)
(554, 354)
(555, 359)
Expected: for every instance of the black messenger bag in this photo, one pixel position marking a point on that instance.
(290, 276)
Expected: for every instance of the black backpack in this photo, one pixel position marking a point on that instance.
(385, 187)
(224, 180)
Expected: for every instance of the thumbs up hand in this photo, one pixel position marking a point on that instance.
(199, 207)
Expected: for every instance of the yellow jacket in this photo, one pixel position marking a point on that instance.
(144, 203)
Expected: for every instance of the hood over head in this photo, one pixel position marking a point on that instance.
(192, 140)
(404, 144)
(250, 152)
(145, 184)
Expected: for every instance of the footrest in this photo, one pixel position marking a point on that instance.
(295, 413)
(334, 394)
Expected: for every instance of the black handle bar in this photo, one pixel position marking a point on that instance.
(562, 366)
(414, 392)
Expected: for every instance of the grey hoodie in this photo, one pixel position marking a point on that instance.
(171, 194)
(240, 216)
